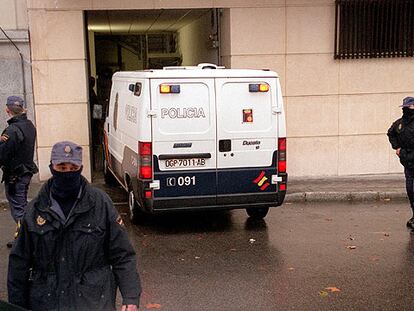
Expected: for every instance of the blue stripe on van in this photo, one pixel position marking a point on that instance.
(186, 183)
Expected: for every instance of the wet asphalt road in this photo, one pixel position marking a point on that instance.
(224, 261)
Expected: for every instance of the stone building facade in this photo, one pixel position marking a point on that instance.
(338, 111)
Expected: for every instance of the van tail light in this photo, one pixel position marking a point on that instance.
(281, 161)
(145, 160)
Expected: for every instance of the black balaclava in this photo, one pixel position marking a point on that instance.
(408, 115)
(65, 185)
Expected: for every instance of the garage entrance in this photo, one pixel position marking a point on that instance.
(138, 40)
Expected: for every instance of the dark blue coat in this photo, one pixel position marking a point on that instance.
(16, 152)
(401, 135)
(76, 265)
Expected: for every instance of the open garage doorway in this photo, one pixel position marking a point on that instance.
(139, 40)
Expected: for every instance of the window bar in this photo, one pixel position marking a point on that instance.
(344, 24)
(336, 30)
(376, 28)
(403, 21)
(353, 32)
(410, 28)
(370, 29)
(363, 37)
(382, 28)
(361, 28)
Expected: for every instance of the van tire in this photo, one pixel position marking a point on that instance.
(110, 180)
(135, 214)
(257, 212)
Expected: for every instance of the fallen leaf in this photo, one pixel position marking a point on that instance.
(333, 289)
(351, 247)
(153, 306)
(323, 294)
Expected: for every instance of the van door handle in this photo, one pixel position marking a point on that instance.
(224, 145)
(185, 156)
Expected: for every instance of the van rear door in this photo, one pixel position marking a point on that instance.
(247, 138)
(184, 140)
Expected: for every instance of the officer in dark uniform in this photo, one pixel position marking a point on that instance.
(401, 137)
(72, 251)
(17, 144)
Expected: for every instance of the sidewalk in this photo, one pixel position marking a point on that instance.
(347, 188)
(322, 189)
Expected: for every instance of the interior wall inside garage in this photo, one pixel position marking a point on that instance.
(198, 41)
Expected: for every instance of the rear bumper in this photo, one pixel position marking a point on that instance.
(239, 201)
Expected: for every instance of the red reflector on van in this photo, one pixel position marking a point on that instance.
(282, 187)
(148, 194)
(281, 167)
(145, 172)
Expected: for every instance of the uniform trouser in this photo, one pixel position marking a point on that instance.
(16, 194)
(409, 184)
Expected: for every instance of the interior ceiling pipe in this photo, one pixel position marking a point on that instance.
(21, 63)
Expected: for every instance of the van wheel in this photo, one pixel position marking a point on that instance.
(108, 177)
(257, 212)
(135, 213)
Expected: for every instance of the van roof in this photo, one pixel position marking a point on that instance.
(200, 71)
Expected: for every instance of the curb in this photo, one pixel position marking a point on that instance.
(329, 196)
(364, 196)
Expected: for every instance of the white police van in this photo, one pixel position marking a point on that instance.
(194, 138)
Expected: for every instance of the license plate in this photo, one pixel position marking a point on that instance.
(177, 163)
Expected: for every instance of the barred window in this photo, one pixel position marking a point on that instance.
(374, 28)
